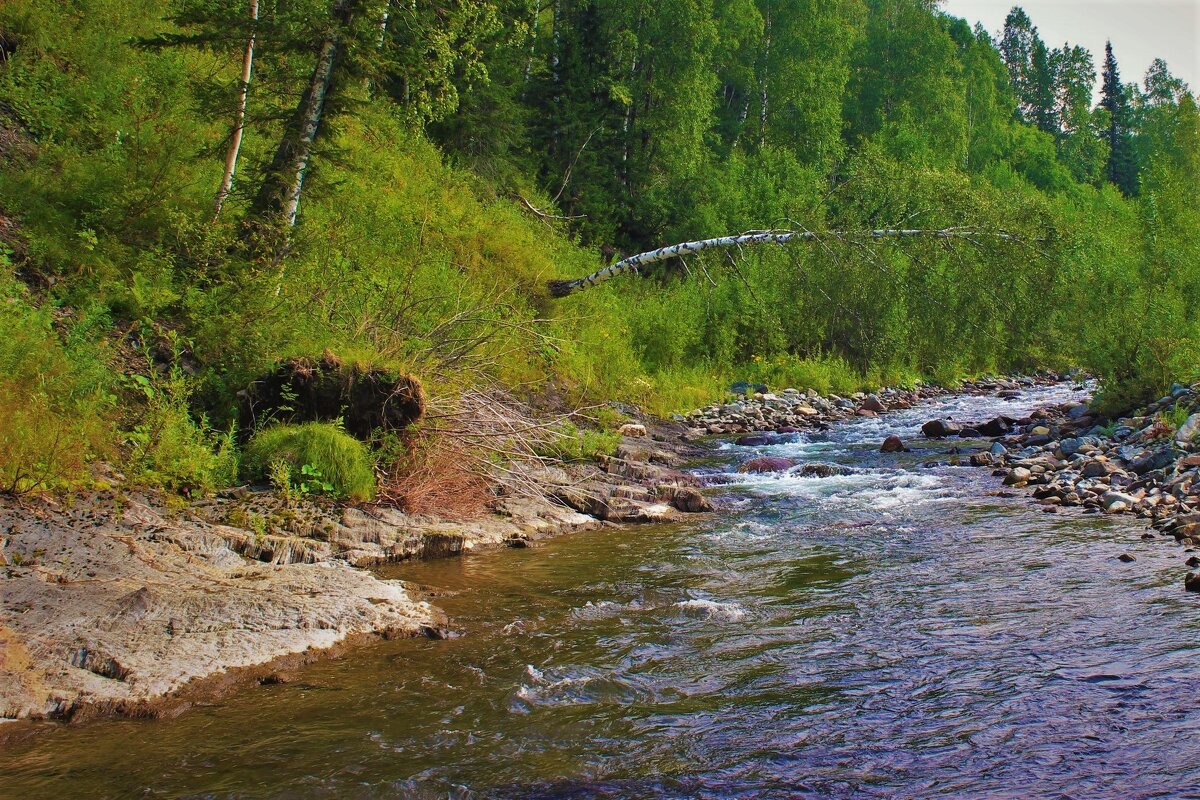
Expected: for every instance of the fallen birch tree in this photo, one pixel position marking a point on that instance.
(635, 263)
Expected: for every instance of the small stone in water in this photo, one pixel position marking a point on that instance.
(1126, 558)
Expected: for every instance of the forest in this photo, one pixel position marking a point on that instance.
(194, 191)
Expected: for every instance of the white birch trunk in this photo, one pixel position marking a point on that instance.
(764, 95)
(533, 37)
(314, 107)
(635, 263)
(239, 119)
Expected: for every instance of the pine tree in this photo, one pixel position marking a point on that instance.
(1122, 162)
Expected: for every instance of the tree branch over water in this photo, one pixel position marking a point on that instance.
(780, 237)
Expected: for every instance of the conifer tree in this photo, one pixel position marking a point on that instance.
(1122, 162)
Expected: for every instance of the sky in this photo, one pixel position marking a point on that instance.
(1140, 30)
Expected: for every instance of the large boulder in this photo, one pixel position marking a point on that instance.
(998, 426)
(940, 429)
(1155, 460)
(690, 500)
(892, 444)
(754, 441)
(366, 399)
(821, 469)
(767, 464)
(872, 403)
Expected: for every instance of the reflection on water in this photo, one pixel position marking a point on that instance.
(890, 633)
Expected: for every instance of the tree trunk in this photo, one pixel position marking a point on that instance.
(764, 94)
(635, 263)
(239, 119)
(278, 199)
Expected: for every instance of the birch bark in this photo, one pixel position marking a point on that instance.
(239, 119)
(635, 263)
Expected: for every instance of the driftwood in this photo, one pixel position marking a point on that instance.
(366, 400)
(635, 263)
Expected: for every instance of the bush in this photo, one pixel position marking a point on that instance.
(580, 444)
(321, 457)
(172, 450)
(57, 407)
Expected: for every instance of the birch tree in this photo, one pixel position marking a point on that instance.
(239, 118)
(636, 263)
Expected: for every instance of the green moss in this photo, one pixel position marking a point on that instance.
(322, 459)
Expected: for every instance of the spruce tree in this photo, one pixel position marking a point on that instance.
(1122, 164)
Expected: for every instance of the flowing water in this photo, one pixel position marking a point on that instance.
(895, 632)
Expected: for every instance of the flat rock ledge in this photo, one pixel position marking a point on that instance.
(117, 611)
(115, 605)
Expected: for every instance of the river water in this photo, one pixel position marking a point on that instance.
(896, 632)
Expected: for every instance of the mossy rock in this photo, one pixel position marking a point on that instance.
(364, 399)
(341, 460)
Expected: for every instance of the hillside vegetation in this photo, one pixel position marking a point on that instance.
(411, 176)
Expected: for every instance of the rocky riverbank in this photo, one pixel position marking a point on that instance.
(1143, 463)
(793, 411)
(1146, 462)
(126, 603)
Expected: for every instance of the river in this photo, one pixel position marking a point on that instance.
(896, 632)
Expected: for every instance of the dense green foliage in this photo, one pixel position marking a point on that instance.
(450, 159)
(313, 458)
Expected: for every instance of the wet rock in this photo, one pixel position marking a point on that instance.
(753, 441)
(1126, 558)
(766, 464)
(1192, 562)
(940, 429)
(969, 433)
(982, 460)
(691, 500)
(998, 426)
(821, 470)
(892, 444)
(1191, 582)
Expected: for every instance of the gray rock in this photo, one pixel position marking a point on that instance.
(1017, 476)
(940, 429)
(1189, 431)
(1096, 469)
(1116, 502)
(1070, 447)
(1155, 460)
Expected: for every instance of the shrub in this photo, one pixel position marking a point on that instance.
(57, 405)
(580, 444)
(318, 454)
(175, 451)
